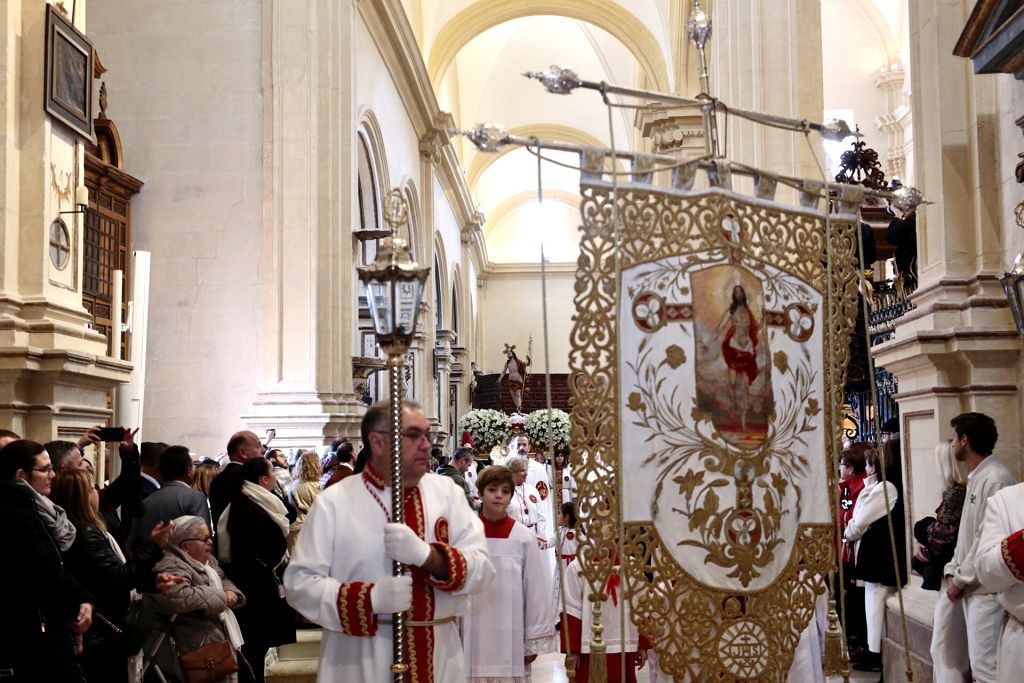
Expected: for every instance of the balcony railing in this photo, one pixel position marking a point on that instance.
(888, 304)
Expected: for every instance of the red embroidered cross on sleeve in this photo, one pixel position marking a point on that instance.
(355, 610)
(456, 569)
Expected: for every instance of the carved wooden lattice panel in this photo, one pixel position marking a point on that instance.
(708, 359)
(107, 245)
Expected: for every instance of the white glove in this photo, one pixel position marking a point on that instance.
(391, 594)
(403, 545)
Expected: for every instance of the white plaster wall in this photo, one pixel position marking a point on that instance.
(852, 56)
(447, 224)
(184, 88)
(374, 90)
(1010, 106)
(512, 311)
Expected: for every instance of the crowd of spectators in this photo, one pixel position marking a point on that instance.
(175, 555)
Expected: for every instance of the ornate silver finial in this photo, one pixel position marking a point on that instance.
(698, 26)
(907, 199)
(836, 130)
(396, 210)
(559, 80)
(488, 137)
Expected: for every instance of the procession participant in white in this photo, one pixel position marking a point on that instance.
(563, 474)
(340, 573)
(526, 506)
(512, 621)
(619, 636)
(999, 567)
(537, 474)
(974, 435)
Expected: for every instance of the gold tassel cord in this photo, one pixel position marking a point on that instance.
(836, 657)
(908, 672)
(620, 527)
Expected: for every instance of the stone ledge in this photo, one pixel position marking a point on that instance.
(919, 606)
(297, 662)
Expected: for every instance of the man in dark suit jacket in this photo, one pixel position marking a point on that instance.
(242, 446)
(174, 499)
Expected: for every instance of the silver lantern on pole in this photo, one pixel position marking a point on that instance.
(394, 285)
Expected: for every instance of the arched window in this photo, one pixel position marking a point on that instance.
(438, 300)
(455, 309)
(369, 201)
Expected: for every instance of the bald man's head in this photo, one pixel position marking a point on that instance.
(244, 446)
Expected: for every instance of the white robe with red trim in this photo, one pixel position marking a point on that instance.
(527, 509)
(340, 553)
(512, 617)
(1000, 568)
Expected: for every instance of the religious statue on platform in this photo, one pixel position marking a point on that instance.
(516, 374)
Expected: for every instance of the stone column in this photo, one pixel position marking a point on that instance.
(443, 357)
(958, 350)
(309, 293)
(894, 122)
(766, 56)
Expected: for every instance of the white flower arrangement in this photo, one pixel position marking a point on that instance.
(537, 427)
(488, 428)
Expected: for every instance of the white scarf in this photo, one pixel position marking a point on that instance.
(267, 501)
(227, 617)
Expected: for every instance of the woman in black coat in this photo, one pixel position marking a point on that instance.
(97, 562)
(42, 598)
(254, 532)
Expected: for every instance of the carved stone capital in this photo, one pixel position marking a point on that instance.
(439, 135)
(672, 130)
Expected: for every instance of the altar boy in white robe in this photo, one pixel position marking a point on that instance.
(621, 638)
(340, 572)
(512, 621)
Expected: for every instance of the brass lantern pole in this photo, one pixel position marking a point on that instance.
(394, 285)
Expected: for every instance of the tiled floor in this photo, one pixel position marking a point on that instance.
(549, 669)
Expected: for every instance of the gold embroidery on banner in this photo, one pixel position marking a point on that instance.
(703, 632)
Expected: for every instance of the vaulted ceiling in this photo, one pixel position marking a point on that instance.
(475, 52)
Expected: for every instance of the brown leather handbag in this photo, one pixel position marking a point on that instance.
(208, 663)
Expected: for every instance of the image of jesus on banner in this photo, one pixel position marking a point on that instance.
(732, 353)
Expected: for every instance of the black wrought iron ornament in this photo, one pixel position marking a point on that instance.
(860, 166)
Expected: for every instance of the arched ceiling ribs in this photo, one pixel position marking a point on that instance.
(890, 51)
(544, 131)
(521, 199)
(604, 14)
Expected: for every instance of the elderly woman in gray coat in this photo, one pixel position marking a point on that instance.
(201, 603)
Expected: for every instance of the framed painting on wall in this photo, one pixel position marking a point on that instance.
(69, 70)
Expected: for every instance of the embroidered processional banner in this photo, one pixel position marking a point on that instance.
(709, 354)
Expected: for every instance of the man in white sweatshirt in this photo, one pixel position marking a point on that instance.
(967, 612)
